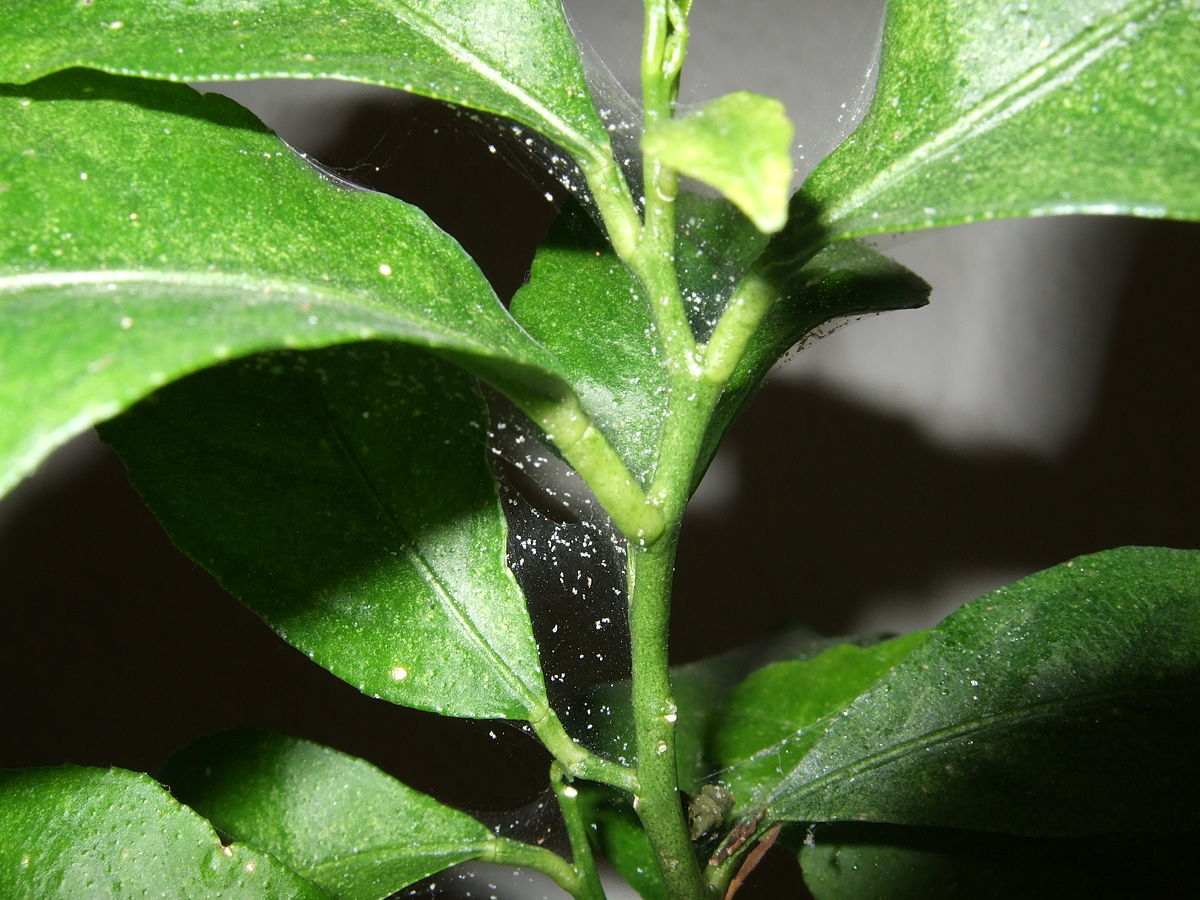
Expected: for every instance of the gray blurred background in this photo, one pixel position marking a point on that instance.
(1042, 406)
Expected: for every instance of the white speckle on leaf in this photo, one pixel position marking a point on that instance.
(385, 269)
(126, 323)
(399, 673)
(83, 176)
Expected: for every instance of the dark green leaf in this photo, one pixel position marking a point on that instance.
(343, 494)
(987, 109)
(776, 715)
(862, 861)
(620, 838)
(741, 144)
(512, 57)
(76, 832)
(1066, 703)
(339, 821)
(700, 691)
(121, 268)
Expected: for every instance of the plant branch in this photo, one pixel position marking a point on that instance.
(658, 801)
(507, 852)
(585, 447)
(577, 761)
(577, 832)
(664, 43)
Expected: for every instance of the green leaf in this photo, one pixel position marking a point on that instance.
(619, 836)
(344, 495)
(340, 822)
(583, 304)
(76, 832)
(740, 144)
(987, 109)
(843, 279)
(700, 691)
(516, 58)
(860, 861)
(171, 231)
(774, 717)
(1063, 704)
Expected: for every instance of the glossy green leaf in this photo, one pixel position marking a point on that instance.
(619, 836)
(1066, 703)
(584, 305)
(987, 109)
(512, 57)
(740, 144)
(774, 717)
(344, 495)
(843, 279)
(337, 820)
(147, 231)
(76, 832)
(885, 862)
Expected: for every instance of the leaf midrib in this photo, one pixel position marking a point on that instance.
(490, 72)
(1031, 85)
(429, 574)
(941, 736)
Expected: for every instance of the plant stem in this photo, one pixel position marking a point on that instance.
(579, 762)
(577, 832)
(507, 852)
(658, 802)
(569, 427)
(663, 44)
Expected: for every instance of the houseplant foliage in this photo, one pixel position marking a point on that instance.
(311, 428)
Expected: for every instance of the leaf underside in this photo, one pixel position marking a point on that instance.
(344, 495)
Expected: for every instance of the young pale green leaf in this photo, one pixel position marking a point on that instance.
(344, 495)
(741, 144)
(1063, 704)
(76, 832)
(861, 861)
(776, 715)
(516, 58)
(337, 820)
(987, 109)
(147, 231)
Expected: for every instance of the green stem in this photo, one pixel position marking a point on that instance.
(507, 852)
(658, 801)
(569, 427)
(577, 761)
(577, 831)
(663, 44)
(738, 322)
